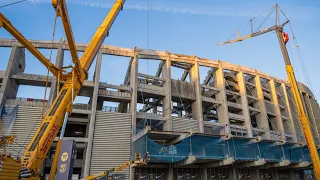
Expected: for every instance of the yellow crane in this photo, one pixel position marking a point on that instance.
(278, 28)
(57, 114)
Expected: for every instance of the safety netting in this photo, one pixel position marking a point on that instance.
(217, 148)
(162, 153)
(208, 147)
(8, 116)
(243, 149)
(271, 152)
(292, 153)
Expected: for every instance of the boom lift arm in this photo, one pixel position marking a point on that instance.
(294, 87)
(39, 146)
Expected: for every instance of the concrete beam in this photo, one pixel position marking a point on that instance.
(188, 161)
(184, 75)
(127, 77)
(259, 162)
(141, 134)
(300, 165)
(282, 163)
(224, 162)
(145, 54)
(159, 71)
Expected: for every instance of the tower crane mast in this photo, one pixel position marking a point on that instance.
(278, 28)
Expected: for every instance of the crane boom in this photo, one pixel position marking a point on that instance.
(62, 11)
(295, 89)
(5, 23)
(39, 146)
(254, 34)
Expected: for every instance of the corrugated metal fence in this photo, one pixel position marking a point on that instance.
(111, 144)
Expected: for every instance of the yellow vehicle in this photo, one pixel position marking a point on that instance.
(57, 114)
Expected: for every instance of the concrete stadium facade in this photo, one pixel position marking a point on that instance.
(242, 107)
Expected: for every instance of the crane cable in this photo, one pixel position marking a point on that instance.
(300, 57)
(17, 2)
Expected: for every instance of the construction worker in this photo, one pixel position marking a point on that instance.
(285, 37)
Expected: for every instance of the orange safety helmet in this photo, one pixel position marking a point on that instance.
(285, 37)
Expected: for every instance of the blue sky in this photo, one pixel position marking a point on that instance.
(191, 27)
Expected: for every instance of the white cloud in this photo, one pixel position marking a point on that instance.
(157, 8)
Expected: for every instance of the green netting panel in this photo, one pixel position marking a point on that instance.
(270, 151)
(242, 149)
(208, 147)
(172, 153)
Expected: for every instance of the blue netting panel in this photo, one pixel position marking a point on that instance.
(170, 154)
(7, 118)
(306, 154)
(242, 149)
(207, 147)
(140, 146)
(270, 152)
(141, 125)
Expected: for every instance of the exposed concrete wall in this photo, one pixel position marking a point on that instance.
(164, 91)
(16, 64)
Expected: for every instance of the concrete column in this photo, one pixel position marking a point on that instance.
(256, 174)
(234, 173)
(53, 88)
(196, 106)
(93, 115)
(275, 175)
(316, 111)
(170, 172)
(279, 123)
(204, 172)
(222, 110)
(292, 129)
(311, 115)
(244, 102)
(132, 172)
(9, 87)
(134, 93)
(167, 111)
(291, 174)
(262, 118)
